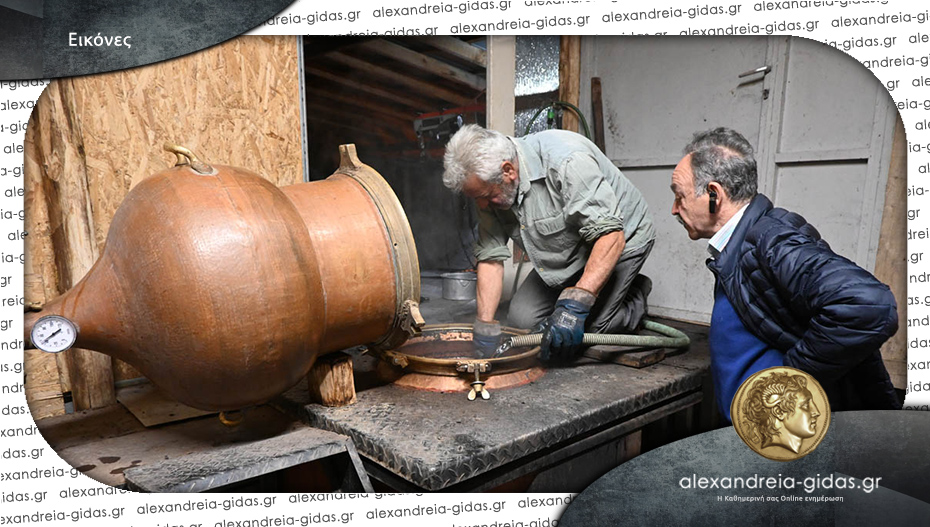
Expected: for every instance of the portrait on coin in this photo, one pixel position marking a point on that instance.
(779, 411)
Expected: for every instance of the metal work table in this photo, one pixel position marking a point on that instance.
(413, 440)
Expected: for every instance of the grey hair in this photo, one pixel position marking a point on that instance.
(474, 150)
(724, 156)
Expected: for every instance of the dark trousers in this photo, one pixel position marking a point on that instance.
(620, 305)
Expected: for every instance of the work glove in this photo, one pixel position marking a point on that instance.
(563, 331)
(486, 337)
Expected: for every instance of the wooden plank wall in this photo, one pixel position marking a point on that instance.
(91, 139)
(891, 264)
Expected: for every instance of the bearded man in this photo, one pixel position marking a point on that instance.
(584, 227)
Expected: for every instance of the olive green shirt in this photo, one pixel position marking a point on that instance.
(569, 195)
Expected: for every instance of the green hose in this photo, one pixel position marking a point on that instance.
(570, 106)
(671, 338)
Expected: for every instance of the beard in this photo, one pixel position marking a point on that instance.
(508, 195)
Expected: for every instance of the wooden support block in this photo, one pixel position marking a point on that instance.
(623, 355)
(91, 379)
(331, 381)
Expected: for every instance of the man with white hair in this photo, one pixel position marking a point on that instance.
(586, 230)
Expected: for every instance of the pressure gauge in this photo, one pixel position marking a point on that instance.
(53, 334)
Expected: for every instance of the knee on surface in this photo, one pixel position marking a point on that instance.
(620, 324)
(524, 318)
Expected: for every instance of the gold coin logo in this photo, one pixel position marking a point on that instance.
(781, 413)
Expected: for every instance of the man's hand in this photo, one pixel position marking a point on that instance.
(563, 331)
(486, 337)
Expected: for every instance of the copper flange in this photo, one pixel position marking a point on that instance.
(441, 358)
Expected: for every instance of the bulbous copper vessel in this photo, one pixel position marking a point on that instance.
(223, 289)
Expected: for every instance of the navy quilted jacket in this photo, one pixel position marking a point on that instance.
(828, 315)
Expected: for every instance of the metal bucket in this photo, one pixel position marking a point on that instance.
(459, 286)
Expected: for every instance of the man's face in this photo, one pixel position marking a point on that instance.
(490, 195)
(803, 421)
(692, 212)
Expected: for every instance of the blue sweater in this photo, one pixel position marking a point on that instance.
(826, 314)
(735, 353)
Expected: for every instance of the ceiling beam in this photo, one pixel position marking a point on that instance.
(317, 110)
(423, 62)
(416, 104)
(368, 104)
(423, 87)
(458, 48)
(358, 129)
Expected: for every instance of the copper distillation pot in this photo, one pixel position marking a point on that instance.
(223, 289)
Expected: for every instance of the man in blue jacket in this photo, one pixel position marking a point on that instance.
(781, 296)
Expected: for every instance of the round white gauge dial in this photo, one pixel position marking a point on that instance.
(53, 334)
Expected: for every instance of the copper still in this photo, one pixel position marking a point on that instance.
(223, 289)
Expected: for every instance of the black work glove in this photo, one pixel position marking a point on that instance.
(486, 337)
(563, 331)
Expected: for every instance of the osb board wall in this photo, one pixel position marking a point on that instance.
(91, 139)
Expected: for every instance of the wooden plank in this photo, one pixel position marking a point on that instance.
(892, 243)
(151, 407)
(331, 381)
(362, 123)
(33, 291)
(316, 73)
(459, 49)
(368, 104)
(40, 163)
(423, 62)
(359, 129)
(570, 78)
(75, 244)
(320, 112)
(422, 87)
(43, 391)
(625, 355)
(597, 111)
